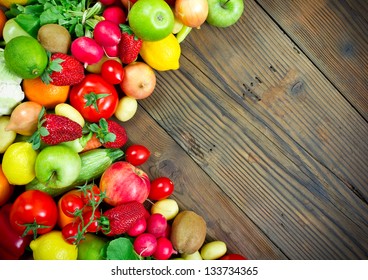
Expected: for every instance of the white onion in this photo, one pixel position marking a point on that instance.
(192, 13)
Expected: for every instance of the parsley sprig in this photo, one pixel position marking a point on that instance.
(78, 17)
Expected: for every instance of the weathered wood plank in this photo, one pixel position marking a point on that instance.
(194, 190)
(334, 35)
(248, 108)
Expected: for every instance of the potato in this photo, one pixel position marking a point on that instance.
(213, 250)
(169, 208)
(196, 256)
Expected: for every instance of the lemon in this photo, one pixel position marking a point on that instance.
(52, 246)
(26, 57)
(18, 163)
(7, 3)
(162, 55)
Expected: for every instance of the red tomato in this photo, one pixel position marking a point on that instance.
(93, 194)
(112, 71)
(71, 204)
(233, 257)
(71, 232)
(161, 188)
(33, 212)
(94, 98)
(91, 221)
(137, 154)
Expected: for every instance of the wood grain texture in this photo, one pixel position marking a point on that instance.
(195, 190)
(279, 140)
(334, 35)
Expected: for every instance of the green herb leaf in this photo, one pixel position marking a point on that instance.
(121, 249)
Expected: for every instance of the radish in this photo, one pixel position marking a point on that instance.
(107, 2)
(145, 244)
(156, 225)
(115, 14)
(107, 33)
(112, 51)
(86, 50)
(138, 228)
(164, 249)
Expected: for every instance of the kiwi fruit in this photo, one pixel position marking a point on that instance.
(188, 232)
(54, 38)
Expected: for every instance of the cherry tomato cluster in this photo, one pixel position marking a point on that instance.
(82, 209)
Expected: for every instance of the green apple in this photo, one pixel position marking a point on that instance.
(223, 13)
(151, 20)
(57, 166)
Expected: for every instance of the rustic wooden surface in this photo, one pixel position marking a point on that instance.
(263, 129)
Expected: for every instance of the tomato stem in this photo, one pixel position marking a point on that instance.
(32, 227)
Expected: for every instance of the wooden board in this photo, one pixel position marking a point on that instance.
(334, 35)
(283, 147)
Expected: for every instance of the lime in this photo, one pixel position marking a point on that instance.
(52, 246)
(19, 162)
(162, 55)
(26, 57)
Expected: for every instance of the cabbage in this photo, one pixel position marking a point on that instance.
(11, 93)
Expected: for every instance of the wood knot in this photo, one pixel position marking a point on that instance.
(348, 50)
(297, 88)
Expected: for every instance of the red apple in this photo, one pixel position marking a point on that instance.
(123, 182)
(139, 80)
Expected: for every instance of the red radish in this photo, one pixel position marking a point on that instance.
(167, 231)
(138, 228)
(145, 244)
(164, 249)
(115, 14)
(107, 2)
(86, 50)
(107, 33)
(112, 51)
(156, 225)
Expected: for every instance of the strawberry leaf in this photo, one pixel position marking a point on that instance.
(102, 131)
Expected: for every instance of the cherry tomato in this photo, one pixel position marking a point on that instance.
(137, 154)
(71, 232)
(94, 98)
(161, 188)
(33, 212)
(71, 204)
(90, 195)
(112, 71)
(233, 257)
(94, 225)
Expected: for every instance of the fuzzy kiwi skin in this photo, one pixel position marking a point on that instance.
(54, 38)
(188, 232)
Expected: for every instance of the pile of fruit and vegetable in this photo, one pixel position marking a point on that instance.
(71, 74)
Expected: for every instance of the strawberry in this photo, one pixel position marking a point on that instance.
(129, 45)
(121, 218)
(110, 133)
(54, 129)
(63, 70)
